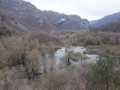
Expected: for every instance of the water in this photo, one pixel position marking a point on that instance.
(60, 60)
(61, 53)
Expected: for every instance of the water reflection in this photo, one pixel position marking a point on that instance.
(61, 54)
(59, 60)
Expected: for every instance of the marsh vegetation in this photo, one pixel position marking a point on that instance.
(66, 60)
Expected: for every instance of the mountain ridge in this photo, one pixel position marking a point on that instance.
(22, 15)
(105, 20)
(110, 27)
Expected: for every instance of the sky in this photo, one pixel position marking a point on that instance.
(89, 9)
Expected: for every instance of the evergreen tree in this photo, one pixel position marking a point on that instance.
(106, 71)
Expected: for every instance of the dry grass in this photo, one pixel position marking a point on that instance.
(92, 51)
(77, 56)
(101, 49)
(70, 79)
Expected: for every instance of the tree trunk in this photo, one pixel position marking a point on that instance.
(44, 63)
(23, 56)
(68, 62)
(4, 75)
(33, 73)
(23, 59)
(107, 82)
(27, 75)
(10, 64)
(107, 85)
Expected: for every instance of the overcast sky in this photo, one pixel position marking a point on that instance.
(89, 9)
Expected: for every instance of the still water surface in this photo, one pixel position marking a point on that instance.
(61, 53)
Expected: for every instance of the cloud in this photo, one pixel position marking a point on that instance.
(90, 9)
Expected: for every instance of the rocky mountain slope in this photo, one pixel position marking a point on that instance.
(105, 20)
(22, 16)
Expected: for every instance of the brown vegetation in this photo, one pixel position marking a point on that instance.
(21, 57)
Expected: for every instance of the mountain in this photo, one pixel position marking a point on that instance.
(19, 15)
(66, 22)
(105, 20)
(113, 26)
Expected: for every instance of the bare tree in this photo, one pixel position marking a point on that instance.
(33, 63)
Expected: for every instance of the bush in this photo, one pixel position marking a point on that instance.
(4, 31)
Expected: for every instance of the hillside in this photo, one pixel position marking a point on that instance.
(18, 15)
(105, 20)
(113, 26)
